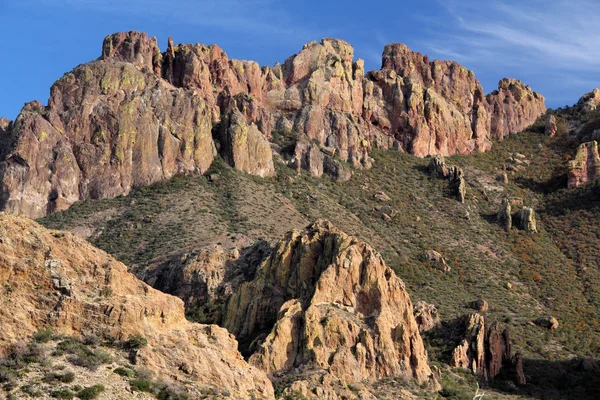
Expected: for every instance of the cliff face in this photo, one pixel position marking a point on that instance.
(75, 289)
(324, 300)
(585, 168)
(136, 116)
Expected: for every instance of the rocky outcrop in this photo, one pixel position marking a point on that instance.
(426, 316)
(75, 289)
(323, 301)
(244, 147)
(526, 220)
(437, 260)
(455, 175)
(513, 107)
(136, 116)
(548, 322)
(486, 349)
(551, 128)
(504, 216)
(585, 167)
(589, 101)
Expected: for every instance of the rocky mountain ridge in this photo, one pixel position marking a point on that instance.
(136, 116)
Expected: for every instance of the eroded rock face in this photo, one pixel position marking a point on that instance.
(438, 168)
(585, 168)
(486, 349)
(324, 300)
(75, 289)
(589, 101)
(513, 107)
(136, 116)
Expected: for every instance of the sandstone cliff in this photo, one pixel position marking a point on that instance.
(136, 116)
(59, 281)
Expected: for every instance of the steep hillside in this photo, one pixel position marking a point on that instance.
(56, 281)
(400, 209)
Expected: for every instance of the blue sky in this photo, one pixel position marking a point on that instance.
(552, 45)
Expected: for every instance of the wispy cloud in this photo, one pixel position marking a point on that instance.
(250, 17)
(555, 34)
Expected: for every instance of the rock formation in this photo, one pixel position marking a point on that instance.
(136, 116)
(585, 168)
(513, 107)
(69, 286)
(437, 260)
(504, 215)
(438, 168)
(486, 349)
(526, 220)
(551, 126)
(323, 301)
(426, 316)
(549, 322)
(589, 101)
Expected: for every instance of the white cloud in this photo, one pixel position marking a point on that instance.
(552, 33)
(248, 17)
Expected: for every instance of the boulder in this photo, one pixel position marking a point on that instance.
(437, 260)
(549, 322)
(426, 316)
(480, 305)
(526, 220)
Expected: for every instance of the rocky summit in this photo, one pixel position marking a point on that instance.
(138, 115)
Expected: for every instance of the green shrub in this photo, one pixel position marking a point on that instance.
(90, 392)
(43, 335)
(142, 385)
(135, 342)
(124, 372)
(67, 377)
(62, 394)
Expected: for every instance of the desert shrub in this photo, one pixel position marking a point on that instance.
(62, 394)
(67, 377)
(82, 355)
(142, 384)
(135, 342)
(124, 372)
(90, 392)
(43, 335)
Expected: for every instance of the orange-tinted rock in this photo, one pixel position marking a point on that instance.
(585, 168)
(74, 289)
(313, 297)
(551, 127)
